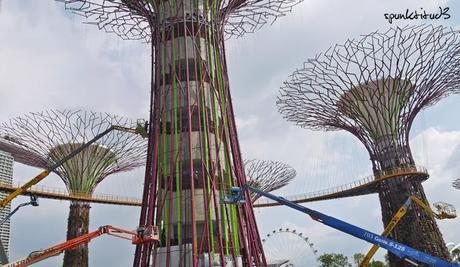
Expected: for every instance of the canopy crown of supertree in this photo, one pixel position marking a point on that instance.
(374, 86)
(133, 19)
(268, 175)
(40, 139)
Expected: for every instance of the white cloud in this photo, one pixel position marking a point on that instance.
(434, 149)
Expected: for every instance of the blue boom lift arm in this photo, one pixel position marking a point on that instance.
(400, 250)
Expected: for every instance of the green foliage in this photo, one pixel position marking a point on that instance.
(333, 260)
(377, 264)
(340, 260)
(358, 258)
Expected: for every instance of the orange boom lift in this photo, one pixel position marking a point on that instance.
(140, 236)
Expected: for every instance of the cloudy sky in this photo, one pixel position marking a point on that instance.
(49, 59)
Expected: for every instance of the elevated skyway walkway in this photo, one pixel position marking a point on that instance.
(62, 194)
(368, 185)
(365, 186)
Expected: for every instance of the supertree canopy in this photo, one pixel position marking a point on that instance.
(194, 155)
(41, 139)
(143, 19)
(374, 87)
(267, 175)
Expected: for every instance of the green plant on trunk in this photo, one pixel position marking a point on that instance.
(358, 258)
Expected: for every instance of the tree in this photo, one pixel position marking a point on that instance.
(375, 263)
(358, 258)
(333, 260)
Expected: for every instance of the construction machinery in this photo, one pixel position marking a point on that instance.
(444, 211)
(33, 202)
(140, 236)
(238, 195)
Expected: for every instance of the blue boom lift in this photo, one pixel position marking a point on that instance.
(409, 254)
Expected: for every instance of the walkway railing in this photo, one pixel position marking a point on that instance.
(329, 193)
(61, 193)
(349, 187)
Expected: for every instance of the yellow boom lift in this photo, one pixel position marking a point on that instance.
(444, 211)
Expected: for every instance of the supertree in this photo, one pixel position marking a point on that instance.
(456, 184)
(267, 175)
(194, 155)
(374, 87)
(43, 138)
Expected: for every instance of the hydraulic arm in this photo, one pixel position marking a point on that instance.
(142, 235)
(394, 247)
(397, 217)
(34, 202)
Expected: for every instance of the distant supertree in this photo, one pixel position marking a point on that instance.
(194, 155)
(374, 87)
(41, 139)
(456, 184)
(267, 175)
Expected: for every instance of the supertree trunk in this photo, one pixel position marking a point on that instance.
(77, 225)
(196, 153)
(416, 229)
(390, 153)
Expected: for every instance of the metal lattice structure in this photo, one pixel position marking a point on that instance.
(142, 19)
(369, 185)
(288, 247)
(374, 87)
(456, 184)
(43, 138)
(194, 155)
(268, 175)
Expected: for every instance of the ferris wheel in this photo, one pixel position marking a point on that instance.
(288, 247)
